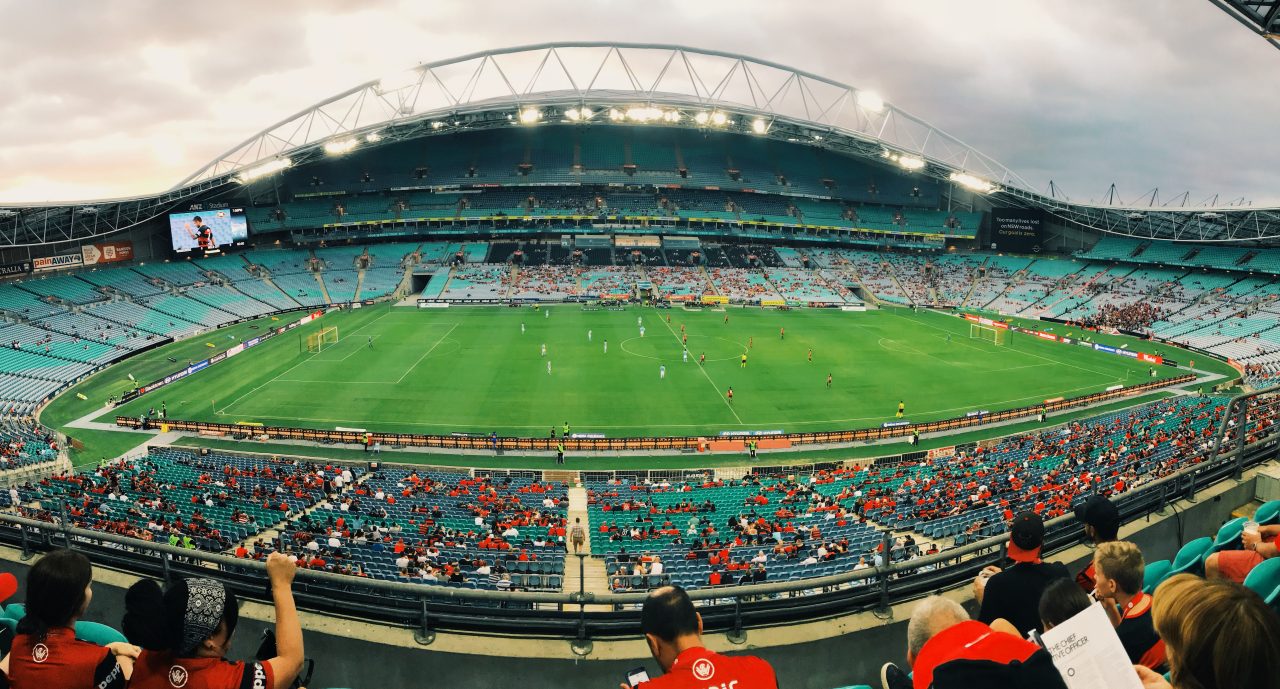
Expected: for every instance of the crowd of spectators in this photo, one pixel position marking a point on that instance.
(1136, 316)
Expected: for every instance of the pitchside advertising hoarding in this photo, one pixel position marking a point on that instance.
(1017, 230)
(19, 268)
(47, 263)
(1098, 347)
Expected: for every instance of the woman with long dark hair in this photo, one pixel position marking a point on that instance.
(185, 633)
(45, 651)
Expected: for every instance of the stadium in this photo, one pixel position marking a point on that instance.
(817, 352)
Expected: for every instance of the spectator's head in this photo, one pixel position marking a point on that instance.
(1026, 536)
(1061, 600)
(933, 615)
(195, 618)
(1101, 519)
(1117, 568)
(58, 592)
(670, 624)
(1219, 635)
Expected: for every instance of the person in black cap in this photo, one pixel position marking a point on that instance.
(1101, 524)
(1014, 594)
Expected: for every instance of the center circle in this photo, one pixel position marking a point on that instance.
(735, 350)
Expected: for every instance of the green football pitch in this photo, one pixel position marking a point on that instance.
(482, 369)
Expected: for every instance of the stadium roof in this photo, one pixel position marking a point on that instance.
(1260, 16)
(648, 84)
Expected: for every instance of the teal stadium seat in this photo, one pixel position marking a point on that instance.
(1228, 537)
(1190, 559)
(1154, 573)
(96, 633)
(1269, 513)
(15, 611)
(1264, 580)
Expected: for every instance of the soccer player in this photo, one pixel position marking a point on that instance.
(642, 331)
(682, 327)
(810, 354)
(902, 408)
(744, 361)
(702, 359)
(685, 340)
(544, 349)
(522, 328)
(371, 342)
(639, 321)
(662, 372)
(726, 318)
(685, 355)
(729, 394)
(606, 346)
(948, 337)
(782, 333)
(828, 381)
(548, 367)
(751, 343)
(546, 313)
(202, 233)
(588, 335)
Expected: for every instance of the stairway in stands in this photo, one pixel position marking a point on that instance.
(593, 572)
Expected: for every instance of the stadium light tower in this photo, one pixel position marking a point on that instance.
(530, 115)
(702, 118)
(759, 126)
(719, 119)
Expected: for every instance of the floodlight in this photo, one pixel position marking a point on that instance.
(907, 162)
(585, 113)
(437, 124)
(970, 182)
(572, 114)
(759, 126)
(671, 116)
(870, 101)
(616, 114)
(373, 137)
(399, 80)
(530, 115)
(718, 118)
(337, 148)
(267, 168)
(701, 118)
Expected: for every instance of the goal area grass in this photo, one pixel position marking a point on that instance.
(483, 369)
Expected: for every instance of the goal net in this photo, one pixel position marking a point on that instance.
(319, 341)
(996, 336)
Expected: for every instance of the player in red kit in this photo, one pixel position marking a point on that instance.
(673, 630)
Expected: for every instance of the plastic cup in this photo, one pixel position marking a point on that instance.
(1251, 528)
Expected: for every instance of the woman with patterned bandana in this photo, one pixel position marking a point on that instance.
(186, 632)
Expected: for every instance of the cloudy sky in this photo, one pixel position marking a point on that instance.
(106, 99)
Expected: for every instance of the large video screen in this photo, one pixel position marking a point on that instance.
(206, 230)
(1017, 230)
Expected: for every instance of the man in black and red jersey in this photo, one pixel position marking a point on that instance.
(673, 630)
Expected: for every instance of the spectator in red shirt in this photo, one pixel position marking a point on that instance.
(186, 633)
(45, 652)
(673, 630)
(947, 650)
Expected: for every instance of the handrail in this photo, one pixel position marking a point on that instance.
(725, 606)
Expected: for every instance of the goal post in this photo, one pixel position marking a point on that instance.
(996, 336)
(318, 341)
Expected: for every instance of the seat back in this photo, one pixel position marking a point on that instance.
(1154, 573)
(1264, 580)
(1189, 559)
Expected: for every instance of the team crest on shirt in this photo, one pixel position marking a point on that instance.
(178, 677)
(39, 653)
(703, 669)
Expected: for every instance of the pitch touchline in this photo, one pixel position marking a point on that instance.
(665, 425)
(727, 403)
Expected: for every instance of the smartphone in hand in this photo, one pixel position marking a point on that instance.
(636, 676)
